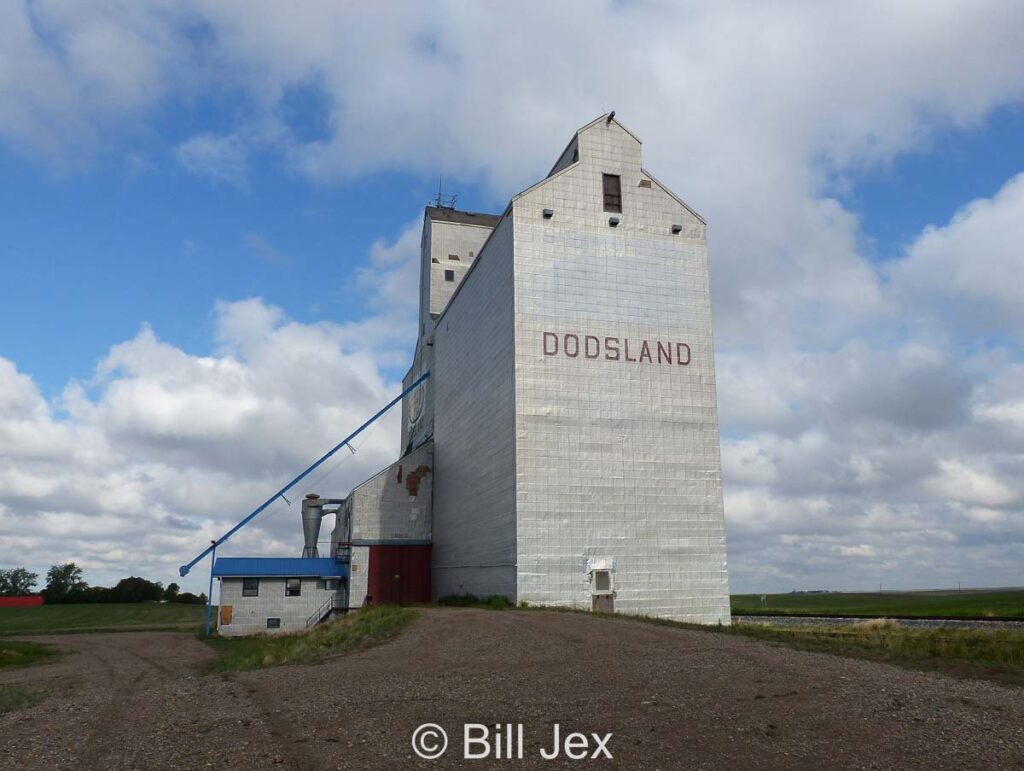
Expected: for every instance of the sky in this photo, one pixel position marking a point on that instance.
(209, 222)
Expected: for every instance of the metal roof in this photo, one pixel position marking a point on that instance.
(283, 567)
(463, 217)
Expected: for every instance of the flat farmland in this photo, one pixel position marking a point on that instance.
(980, 603)
(53, 619)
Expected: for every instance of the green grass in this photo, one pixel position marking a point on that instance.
(94, 617)
(24, 654)
(352, 632)
(981, 603)
(13, 697)
(996, 654)
(492, 602)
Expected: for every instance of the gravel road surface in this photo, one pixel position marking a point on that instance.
(671, 699)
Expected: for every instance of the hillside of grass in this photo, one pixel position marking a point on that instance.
(96, 617)
(981, 603)
(352, 632)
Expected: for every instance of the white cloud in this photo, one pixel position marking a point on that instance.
(163, 450)
(968, 273)
(221, 158)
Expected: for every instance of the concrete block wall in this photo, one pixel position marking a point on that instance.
(617, 462)
(474, 431)
(249, 614)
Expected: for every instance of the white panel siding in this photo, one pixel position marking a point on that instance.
(451, 238)
(474, 492)
(359, 571)
(617, 462)
(395, 503)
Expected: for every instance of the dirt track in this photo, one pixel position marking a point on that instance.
(671, 698)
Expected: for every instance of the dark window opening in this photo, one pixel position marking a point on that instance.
(250, 587)
(435, 261)
(453, 257)
(575, 154)
(612, 192)
(273, 623)
(449, 275)
(293, 587)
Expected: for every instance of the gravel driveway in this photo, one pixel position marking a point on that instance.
(671, 699)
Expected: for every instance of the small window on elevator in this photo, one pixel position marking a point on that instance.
(449, 275)
(612, 186)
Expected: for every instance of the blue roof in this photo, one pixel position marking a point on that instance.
(285, 567)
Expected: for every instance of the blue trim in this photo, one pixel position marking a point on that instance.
(184, 569)
(278, 567)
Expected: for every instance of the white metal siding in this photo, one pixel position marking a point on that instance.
(474, 492)
(617, 463)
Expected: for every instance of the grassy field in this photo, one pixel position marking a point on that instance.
(51, 619)
(981, 603)
(996, 655)
(352, 632)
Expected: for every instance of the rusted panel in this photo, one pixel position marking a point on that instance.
(412, 480)
(225, 614)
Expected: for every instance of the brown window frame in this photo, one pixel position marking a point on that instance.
(611, 187)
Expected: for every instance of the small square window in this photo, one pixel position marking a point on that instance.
(453, 257)
(273, 623)
(250, 587)
(602, 581)
(612, 187)
(332, 584)
(293, 587)
(449, 275)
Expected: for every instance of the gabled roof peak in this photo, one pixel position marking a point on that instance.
(608, 117)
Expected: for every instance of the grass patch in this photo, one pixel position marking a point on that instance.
(100, 617)
(24, 654)
(355, 631)
(977, 603)
(996, 654)
(493, 602)
(13, 697)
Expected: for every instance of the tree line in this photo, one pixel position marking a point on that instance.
(64, 584)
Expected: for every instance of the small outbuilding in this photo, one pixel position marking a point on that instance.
(278, 594)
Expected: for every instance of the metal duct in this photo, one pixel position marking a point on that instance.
(312, 513)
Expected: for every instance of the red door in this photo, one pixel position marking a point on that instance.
(399, 574)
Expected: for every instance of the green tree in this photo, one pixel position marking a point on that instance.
(136, 589)
(64, 583)
(17, 582)
(171, 592)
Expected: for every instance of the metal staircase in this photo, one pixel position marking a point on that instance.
(325, 611)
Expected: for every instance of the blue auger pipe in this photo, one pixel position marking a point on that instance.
(184, 569)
